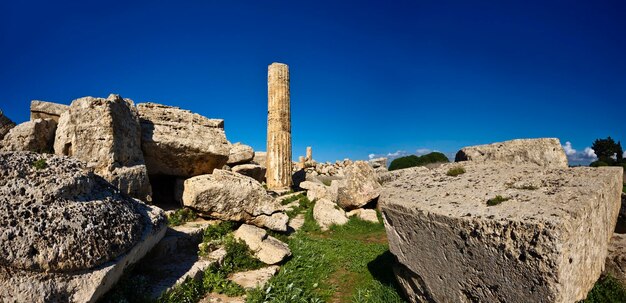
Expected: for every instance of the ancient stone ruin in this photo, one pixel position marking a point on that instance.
(278, 128)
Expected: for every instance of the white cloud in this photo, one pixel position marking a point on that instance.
(614, 156)
(568, 149)
(579, 157)
(589, 153)
(624, 155)
(398, 153)
(371, 156)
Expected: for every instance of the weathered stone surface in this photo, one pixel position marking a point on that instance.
(327, 213)
(277, 221)
(260, 158)
(180, 143)
(266, 248)
(364, 214)
(316, 191)
(5, 125)
(359, 187)
(254, 171)
(616, 258)
(239, 154)
(230, 196)
(46, 110)
(547, 243)
(105, 134)
(546, 152)
(36, 136)
(279, 164)
(389, 176)
(67, 235)
(378, 163)
(254, 278)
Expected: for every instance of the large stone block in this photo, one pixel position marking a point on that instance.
(36, 136)
(180, 143)
(46, 110)
(66, 235)
(5, 125)
(546, 152)
(105, 133)
(546, 243)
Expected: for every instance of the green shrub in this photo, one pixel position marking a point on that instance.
(181, 216)
(413, 160)
(455, 171)
(190, 291)
(40, 164)
(607, 289)
(497, 200)
(238, 256)
(218, 231)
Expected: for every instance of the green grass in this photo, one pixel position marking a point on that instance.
(455, 171)
(181, 216)
(497, 200)
(291, 199)
(40, 164)
(348, 263)
(607, 290)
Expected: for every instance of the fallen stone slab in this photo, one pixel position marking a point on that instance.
(254, 278)
(105, 134)
(254, 171)
(234, 197)
(369, 215)
(46, 110)
(67, 235)
(177, 142)
(327, 213)
(266, 248)
(359, 187)
(317, 191)
(546, 152)
(240, 154)
(35, 136)
(545, 241)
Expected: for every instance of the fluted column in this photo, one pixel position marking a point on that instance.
(278, 127)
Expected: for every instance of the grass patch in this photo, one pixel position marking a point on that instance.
(291, 199)
(181, 216)
(607, 289)
(303, 205)
(348, 263)
(455, 171)
(40, 164)
(497, 200)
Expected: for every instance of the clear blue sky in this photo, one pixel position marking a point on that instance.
(367, 77)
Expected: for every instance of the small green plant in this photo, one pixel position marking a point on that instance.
(190, 290)
(238, 256)
(607, 289)
(455, 171)
(40, 164)
(215, 280)
(327, 182)
(181, 216)
(291, 199)
(218, 231)
(497, 200)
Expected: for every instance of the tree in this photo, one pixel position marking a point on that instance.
(608, 151)
(413, 160)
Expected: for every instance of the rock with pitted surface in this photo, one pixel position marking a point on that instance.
(177, 142)
(46, 110)
(231, 196)
(5, 125)
(546, 152)
(239, 154)
(105, 134)
(260, 158)
(254, 171)
(266, 248)
(326, 213)
(36, 136)
(544, 241)
(359, 186)
(66, 234)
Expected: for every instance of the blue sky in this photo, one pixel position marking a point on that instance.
(367, 77)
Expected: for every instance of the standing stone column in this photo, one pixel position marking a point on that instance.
(309, 154)
(278, 128)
